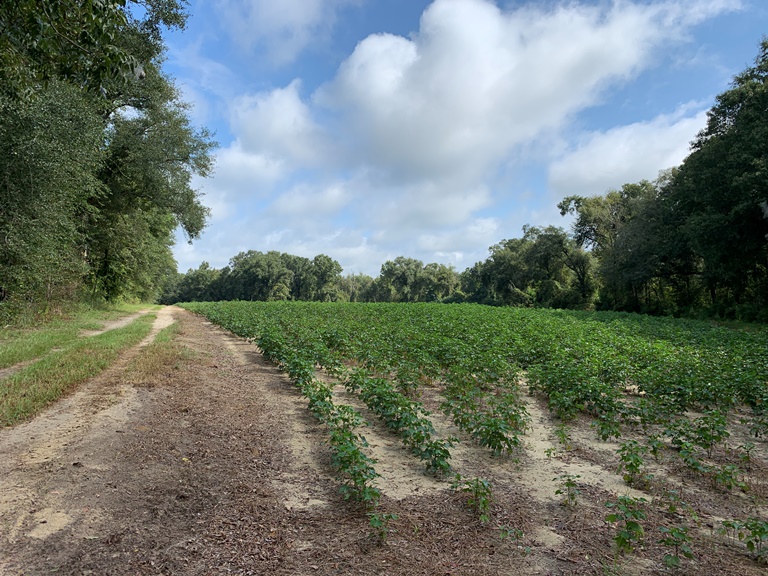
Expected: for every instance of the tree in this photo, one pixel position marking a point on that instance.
(600, 218)
(721, 187)
(438, 282)
(699, 236)
(400, 277)
(78, 42)
(326, 273)
(150, 157)
(93, 193)
(505, 273)
(355, 287)
(49, 156)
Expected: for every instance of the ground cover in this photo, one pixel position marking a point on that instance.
(655, 427)
(41, 365)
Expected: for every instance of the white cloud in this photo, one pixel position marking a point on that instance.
(423, 206)
(603, 160)
(478, 232)
(245, 174)
(476, 81)
(305, 200)
(284, 28)
(278, 124)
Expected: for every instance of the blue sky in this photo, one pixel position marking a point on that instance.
(371, 129)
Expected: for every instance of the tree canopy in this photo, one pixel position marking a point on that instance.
(97, 153)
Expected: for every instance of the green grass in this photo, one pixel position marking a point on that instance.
(24, 344)
(158, 360)
(34, 387)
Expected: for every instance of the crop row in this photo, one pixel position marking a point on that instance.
(356, 468)
(581, 362)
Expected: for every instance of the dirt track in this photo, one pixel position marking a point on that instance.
(211, 464)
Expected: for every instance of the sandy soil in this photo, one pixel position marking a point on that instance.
(213, 465)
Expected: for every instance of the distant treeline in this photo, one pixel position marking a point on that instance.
(694, 242)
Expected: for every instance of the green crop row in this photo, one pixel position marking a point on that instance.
(623, 369)
(356, 468)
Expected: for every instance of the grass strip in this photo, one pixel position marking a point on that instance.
(24, 344)
(158, 360)
(33, 388)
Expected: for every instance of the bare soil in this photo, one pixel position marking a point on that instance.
(211, 464)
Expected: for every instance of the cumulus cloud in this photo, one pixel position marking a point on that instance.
(279, 124)
(476, 81)
(283, 28)
(306, 200)
(246, 174)
(608, 159)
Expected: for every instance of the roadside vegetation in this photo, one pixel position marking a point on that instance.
(97, 155)
(19, 344)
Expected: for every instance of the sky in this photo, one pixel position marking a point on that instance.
(371, 129)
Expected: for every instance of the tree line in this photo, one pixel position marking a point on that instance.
(692, 242)
(96, 153)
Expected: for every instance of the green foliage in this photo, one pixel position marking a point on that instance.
(627, 513)
(354, 466)
(49, 155)
(631, 462)
(745, 454)
(752, 531)
(544, 268)
(727, 476)
(569, 490)
(694, 240)
(25, 393)
(474, 357)
(709, 430)
(479, 495)
(97, 153)
(580, 361)
(496, 420)
(261, 276)
(678, 539)
(405, 417)
(64, 39)
(507, 532)
(563, 436)
(379, 525)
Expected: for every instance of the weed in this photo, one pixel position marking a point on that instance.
(564, 437)
(569, 490)
(655, 446)
(745, 454)
(506, 532)
(753, 532)
(379, 525)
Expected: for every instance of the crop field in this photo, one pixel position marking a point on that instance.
(617, 443)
